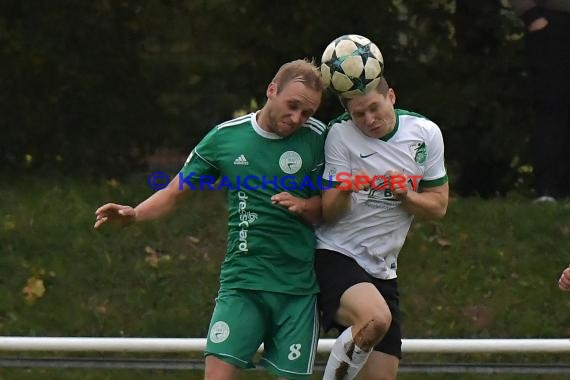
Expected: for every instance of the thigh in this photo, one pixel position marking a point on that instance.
(217, 369)
(392, 342)
(291, 341)
(237, 327)
(335, 273)
(361, 303)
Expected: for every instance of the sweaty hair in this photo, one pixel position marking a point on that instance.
(301, 70)
(382, 89)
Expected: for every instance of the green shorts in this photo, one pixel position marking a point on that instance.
(286, 324)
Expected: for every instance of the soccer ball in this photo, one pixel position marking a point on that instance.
(352, 65)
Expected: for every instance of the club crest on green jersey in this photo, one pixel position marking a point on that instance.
(419, 151)
(290, 162)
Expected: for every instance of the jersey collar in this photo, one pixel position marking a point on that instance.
(391, 134)
(260, 131)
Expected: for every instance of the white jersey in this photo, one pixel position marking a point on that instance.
(375, 229)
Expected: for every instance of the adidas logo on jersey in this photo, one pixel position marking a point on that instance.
(241, 160)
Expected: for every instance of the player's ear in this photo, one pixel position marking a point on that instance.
(271, 90)
(392, 96)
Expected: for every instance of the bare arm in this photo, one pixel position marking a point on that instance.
(564, 281)
(307, 208)
(157, 205)
(428, 203)
(337, 201)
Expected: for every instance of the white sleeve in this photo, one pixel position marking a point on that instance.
(435, 165)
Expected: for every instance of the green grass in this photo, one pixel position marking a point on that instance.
(488, 270)
(48, 374)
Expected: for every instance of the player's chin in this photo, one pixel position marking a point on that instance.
(286, 130)
(376, 133)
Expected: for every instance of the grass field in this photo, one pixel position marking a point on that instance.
(123, 374)
(488, 270)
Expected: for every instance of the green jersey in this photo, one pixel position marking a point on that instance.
(269, 248)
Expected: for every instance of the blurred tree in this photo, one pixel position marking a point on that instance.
(75, 97)
(98, 86)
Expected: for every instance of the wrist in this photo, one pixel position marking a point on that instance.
(304, 206)
(403, 197)
(134, 218)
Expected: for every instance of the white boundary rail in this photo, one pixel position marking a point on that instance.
(83, 344)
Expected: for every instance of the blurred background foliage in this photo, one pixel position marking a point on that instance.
(97, 88)
(103, 91)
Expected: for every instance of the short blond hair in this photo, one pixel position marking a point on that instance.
(301, 70)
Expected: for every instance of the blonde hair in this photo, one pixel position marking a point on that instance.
(301, 70)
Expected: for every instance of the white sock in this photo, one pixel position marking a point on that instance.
(339, 355)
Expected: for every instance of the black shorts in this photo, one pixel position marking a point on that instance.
(336, 273)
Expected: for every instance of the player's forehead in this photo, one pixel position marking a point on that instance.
(297, 91)
(363, 102)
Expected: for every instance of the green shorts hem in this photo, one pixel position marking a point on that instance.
(270, 367)
(231, 360)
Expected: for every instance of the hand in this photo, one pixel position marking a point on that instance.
(355, 183)
(114, 213)
(564, 281)
(290, 202)
(399, 186)
(538, 24)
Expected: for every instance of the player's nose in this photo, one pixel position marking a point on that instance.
(369, 119)
(296, 118)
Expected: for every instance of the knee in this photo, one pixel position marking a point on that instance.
(379, 322)
(373, 330)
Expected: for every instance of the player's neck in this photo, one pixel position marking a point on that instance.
(261, 119)
(390, 130)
